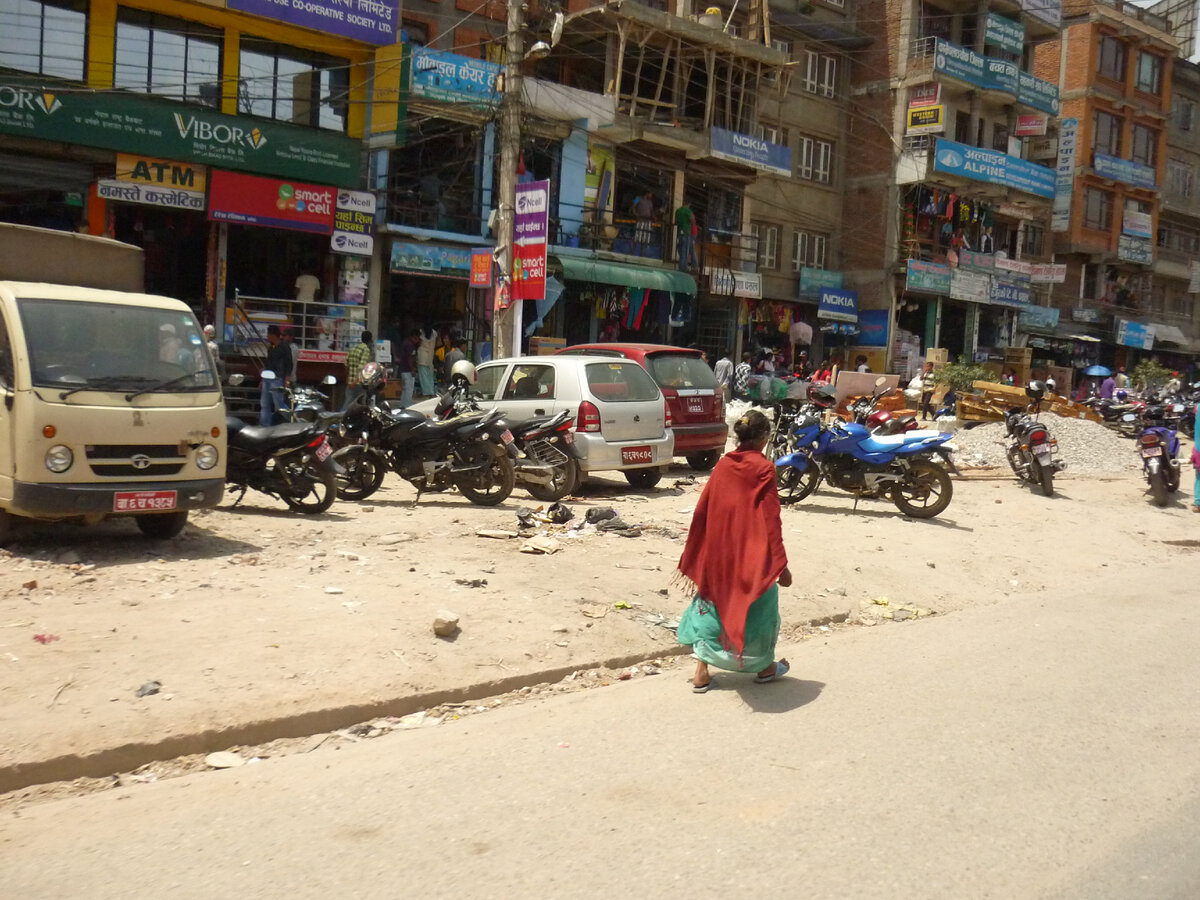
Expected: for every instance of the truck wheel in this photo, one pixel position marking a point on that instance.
(6, 527)
(163, 525)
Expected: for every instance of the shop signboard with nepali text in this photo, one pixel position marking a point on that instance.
(1043, 318)
(1135, 334)
(131, 123)
(992, 167)
(531, 227)
(250, 200)
(1124, 170)
(1007, 34)
(973, 287)
(450, 78)
(149, 195)
(813, 281)
(927, 278)
(431, 259)
(1010, 293)
(370, 21)
(354, 223)
(481, 267)
(1064, 174)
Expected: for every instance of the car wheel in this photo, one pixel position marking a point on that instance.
(643, 478)
(703, 461)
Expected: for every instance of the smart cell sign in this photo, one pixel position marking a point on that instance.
(250, 200)
(530, 230)
(838, 306)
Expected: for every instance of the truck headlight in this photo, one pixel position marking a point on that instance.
(206, 456)
(59, 458)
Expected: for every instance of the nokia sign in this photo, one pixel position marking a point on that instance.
(838, 306)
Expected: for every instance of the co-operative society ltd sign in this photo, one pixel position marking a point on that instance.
(371, 21)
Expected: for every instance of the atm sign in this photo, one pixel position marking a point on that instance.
(163, 173)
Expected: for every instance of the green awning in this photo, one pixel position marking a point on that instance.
(602, 271)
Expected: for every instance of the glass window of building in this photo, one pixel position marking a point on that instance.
(1106, 133)
(293, 85)
(1149, 73)
(1110, 61)
(808, 250)
(44, 38)
(1097, 209)
(170, 57)
(768, 245)
(1145, 145)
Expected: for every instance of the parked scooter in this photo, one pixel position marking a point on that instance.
(1031, 449)
(305, 404)
(1158, 446)
(291, 461)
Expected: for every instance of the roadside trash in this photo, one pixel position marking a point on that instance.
(223, 759)
(150, 687)
(334, 590)
(625, 676)
(541, 544)
(526, 517)
(472, 582)
(659, 619)
(614, 524)
(599, 514)
(880, 601)
(497, 533)
(446, 623)
(621, 604)
(563, 745)
(46, 638)
(558, 514)
(418, 720)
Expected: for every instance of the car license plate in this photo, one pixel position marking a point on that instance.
(1152, 451)
(1041, 449)
(636, 455)
(324, 450)
(141, 501)
(695, 405)
(506, 437)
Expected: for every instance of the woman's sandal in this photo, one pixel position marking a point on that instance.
(703, 688)
(781, 669)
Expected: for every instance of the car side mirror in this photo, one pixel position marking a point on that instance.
(236, 379)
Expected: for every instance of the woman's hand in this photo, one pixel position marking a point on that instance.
(785, 577)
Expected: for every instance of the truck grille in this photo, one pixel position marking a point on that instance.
(136, 460)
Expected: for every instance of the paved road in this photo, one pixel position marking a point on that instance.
(1037, 747)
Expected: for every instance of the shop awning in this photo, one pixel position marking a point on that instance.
(602, 271)
(1169, 334)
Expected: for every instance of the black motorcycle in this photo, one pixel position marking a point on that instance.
(292, 461)
(469, 453)
(1031, 449)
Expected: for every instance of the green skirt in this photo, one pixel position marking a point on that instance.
(701, 628)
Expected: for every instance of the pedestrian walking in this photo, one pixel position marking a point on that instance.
(426, 342)
(407, 364)
(723, 370)
(924, 383)
(741, 378)
(456, 353)
(356, 357)
(279, 363)
(735, 560)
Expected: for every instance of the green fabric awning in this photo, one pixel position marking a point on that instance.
(602, 271)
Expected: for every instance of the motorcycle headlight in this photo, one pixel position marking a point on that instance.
(206, 456)
(59, 458)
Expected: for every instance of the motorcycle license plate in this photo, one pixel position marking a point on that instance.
(636, 455)
(506, 437)
(1152, 451)
(568, 437)
(324, 451)
(1041, 449)
(136, 501)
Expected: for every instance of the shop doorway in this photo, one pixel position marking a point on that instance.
(265, 262)
(954, 328)
(174, 245)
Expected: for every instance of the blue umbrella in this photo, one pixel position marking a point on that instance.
(1097, 370)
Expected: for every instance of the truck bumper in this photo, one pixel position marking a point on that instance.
(52, 501)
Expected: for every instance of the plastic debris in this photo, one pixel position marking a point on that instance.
(46, 638)
(599, 514)
(621, 604)
(150, 687)
(559, 514)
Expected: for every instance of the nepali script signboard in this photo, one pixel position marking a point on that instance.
(530, 231)
(450, 78)
(371, 21)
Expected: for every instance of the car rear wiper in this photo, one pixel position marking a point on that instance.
(95, 384)
(166, 384)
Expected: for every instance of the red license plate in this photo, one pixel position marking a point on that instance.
(506, 436)
(324, 450)
(142, 501)
(636, 455)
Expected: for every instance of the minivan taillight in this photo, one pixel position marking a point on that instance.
(719, 404)
(666, 414)
(588, 418)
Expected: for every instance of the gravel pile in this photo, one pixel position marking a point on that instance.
(1086, 447)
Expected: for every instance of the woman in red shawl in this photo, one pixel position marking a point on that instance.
(734, 557)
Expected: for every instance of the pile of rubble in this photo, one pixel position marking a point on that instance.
(1087, 447)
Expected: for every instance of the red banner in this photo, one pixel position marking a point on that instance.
(481, 268)
(251, 200)
(530, 232)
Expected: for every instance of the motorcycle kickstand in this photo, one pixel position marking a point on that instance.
(239, 499)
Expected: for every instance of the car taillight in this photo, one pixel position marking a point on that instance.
(588, 418)
(666, 414)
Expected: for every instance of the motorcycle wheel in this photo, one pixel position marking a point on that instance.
(1045, 477)
(561, 483)
(1014, 461)
(925, 491)
(493, 482)
(315, 489)
(364, 473)
(1158, 488)
(794, 485)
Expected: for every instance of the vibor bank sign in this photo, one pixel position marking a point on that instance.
(129, 123)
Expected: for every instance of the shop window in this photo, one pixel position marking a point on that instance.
(1149, 73)
(1035, 238)
(44, 38)
(768, 245)
(808, 250)
(1000, 138)
(814, 161)
(1111, 59)
(1179, 179)
(1145, 145)
(1106, 133)
(820, 73)
(962, 126)
(293, 85)
(1097, 209)
(170, 57)
(1185, 114)
(432, 178)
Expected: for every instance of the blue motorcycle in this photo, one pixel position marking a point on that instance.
(848, 456)
(1158, 446)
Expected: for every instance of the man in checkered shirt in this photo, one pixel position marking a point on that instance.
(357, 357)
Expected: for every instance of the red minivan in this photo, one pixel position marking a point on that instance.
(693, 396)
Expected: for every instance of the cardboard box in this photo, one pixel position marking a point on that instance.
(1018, 356)
(545, 346)
(937, 355)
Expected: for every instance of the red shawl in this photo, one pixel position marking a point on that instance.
(735, 547)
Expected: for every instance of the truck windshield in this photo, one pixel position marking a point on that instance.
(113, 347)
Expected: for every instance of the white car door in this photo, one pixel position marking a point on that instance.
(489, 378)
(530, 389)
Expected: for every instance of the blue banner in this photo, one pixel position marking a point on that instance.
(1007, 293)
(873, 327)
(754, 152)
(1000, 75)
(1039, 94)
(438, 75)
(993, 167)
(1135, 334)
(1125, 170)
(372, 21)
(840, 306)
(1043, 318)
(927, 278)
(995, 74)
(431, 259)
(813, 281)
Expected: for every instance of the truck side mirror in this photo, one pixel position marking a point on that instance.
(236, 379)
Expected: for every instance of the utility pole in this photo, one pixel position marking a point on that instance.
(506, 323)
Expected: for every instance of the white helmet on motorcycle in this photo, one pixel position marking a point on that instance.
(372, 376)
(465, 370)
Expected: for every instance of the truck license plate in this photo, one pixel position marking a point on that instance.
(139, 501)
(324, 450)
(636, 455)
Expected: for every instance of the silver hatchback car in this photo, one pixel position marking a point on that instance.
(621, 417)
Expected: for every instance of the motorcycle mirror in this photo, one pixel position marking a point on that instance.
(880, 381)
(268, 374)
(236, 379)
(329, 379)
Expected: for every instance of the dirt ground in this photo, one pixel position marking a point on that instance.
(259, 615)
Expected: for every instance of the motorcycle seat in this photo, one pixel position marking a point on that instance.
(884, 443)
(268, 437)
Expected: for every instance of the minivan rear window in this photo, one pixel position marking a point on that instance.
(620, 382)
(680, 370)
